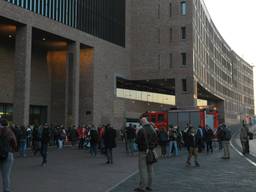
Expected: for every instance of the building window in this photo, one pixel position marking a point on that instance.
(158, 11)
(184, 58)
(184, 85)
(183, 32)
(170, 34)
(183, 8)
(170, 9)
(170, 64)
(159, 36)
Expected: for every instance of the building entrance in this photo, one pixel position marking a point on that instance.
(38, 114)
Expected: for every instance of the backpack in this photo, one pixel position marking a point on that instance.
(4, 146)
(227, 134)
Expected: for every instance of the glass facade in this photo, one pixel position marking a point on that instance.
(6, 111)
(101, 18)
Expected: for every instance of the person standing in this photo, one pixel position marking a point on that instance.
(226, 141)
(109, 142)
(209, 137)
(44, 143)
(244, 138)
(193, 143)
(73, 136)
(130, 134)
(8, 144)
(163, 141)
(146, 140)
(94, 138)
(23, 141)
(36, 140)
(173, 146)
(220, 136)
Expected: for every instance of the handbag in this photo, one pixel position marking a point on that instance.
(250, 134)
(151, 156)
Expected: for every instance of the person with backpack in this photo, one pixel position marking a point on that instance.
(209, 137)
(94, 139)
(220, 136)
(173, 136)
(147, 140)
(226, 141)
(8, 144)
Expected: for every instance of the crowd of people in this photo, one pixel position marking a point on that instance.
(103, 139)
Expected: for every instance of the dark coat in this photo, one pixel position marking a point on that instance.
(152, 138)
(45, 135)
(109, 138)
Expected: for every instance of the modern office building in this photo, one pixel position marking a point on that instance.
(97, 61)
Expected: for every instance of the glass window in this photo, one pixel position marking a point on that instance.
(170, 9)
(183, 32)
(170, 64)
(153, 118)
(183, 8)
(184, 58)
(184, 85)
(160, 118)
(170, 34)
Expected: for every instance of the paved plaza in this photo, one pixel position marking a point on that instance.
(75, 170)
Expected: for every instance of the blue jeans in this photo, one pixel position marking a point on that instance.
(174, 144)
(6, 168)
(93, 149)
(130, 143)
(44, 148)
(23, 148)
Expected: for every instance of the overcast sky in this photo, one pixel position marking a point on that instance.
(236, 22)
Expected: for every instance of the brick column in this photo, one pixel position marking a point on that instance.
(72, 85)
(22, 74)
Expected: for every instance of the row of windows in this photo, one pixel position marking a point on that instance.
(183, 59)
(101, 18)
(212, 55)
(182, 9)
(64, 11)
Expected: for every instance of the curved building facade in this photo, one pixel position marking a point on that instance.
(176, 39)
(97, 61)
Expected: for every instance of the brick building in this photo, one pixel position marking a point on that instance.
(97, 61)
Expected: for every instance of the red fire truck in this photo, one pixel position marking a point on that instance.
(181, 117)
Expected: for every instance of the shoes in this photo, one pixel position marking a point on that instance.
(149, 189)
(139, 190)
(107, 162)
(225, 157)
(188, 163)
(197, 164)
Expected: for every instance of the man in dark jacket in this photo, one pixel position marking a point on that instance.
(44, 143)
(226, 141)
(193, 142)
(109, 138)
(146, 139)
(209, 137)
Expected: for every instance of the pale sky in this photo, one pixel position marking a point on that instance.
(236, 22)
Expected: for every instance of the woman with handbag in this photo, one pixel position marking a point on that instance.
(147, 141)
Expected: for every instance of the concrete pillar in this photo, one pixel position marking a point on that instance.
(72, 85)
(22, 74)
